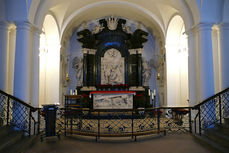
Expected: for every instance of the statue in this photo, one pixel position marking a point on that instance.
(146, 72)
(137, 39)
(87, 38)
(77, 65)
(97, 29)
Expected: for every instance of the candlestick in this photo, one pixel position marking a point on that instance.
(158, 76)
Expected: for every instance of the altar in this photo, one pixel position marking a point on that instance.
(113, 99)
(111, 73)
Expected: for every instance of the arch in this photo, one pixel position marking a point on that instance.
(176, 63)
(49, 62)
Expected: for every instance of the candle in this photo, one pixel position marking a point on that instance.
(76, 92)
(149, 92)
(152, 96)
(154, 92)
(71, 92)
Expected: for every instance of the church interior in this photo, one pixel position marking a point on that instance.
(114, 68)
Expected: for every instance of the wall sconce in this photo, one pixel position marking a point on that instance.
(158, 76)
(67, 78)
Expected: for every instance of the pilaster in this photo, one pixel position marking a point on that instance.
(3, 54)
(205, 61)
(22, 73)
(35, 67)
(192, 68)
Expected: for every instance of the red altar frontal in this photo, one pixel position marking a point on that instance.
(113, 92)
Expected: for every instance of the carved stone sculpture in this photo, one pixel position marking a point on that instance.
(146, 72)
(77, 65)
(112, 67)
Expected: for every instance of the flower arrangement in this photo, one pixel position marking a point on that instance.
(86, 102)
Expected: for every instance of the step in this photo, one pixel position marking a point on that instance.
(21, 146)
(5, 131)
(211, 145)
(10, 140)
(218, 137)
(226, 121)
(222, 128)
(1, 122)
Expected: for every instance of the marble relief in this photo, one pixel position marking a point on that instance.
(112, 67)
(113, 101)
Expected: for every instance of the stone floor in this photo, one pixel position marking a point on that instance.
(180, 143)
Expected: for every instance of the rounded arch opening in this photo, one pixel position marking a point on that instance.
(49, 59)
(177, 63)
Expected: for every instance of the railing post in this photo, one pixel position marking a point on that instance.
(220, 110)
(65, 115)
(65, 118)
(190, 120)
(30, 114)
(8, 110)
(98, 124)
(39, 122)
(72, 119)
(158, 120)
(132, 124)
(199, 120)
(195, 124)
(34, 127)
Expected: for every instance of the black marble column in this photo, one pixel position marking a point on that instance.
(139, 63)
(85, 69)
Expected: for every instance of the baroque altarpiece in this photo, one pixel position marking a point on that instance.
(112, 63)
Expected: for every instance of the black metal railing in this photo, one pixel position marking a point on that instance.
(176, 120)
(15, 112)
(211, 111)
(125, 122)
(122, 122)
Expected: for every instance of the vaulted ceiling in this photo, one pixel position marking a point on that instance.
(154, 14)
